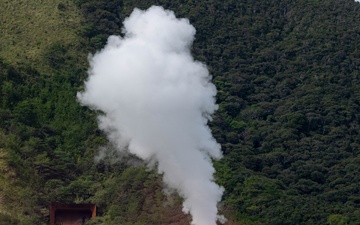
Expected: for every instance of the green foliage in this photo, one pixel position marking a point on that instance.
(41, 126)
(102, 20)
(337, 219)
(287, 74)
(56, 55)
(7, 220)
(29, 29)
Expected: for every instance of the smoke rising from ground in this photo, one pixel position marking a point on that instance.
(156, 102)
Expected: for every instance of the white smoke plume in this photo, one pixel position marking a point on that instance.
(156, 102)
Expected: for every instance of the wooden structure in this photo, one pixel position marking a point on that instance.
(71, 214)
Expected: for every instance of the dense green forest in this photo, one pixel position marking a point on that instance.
(288, 80)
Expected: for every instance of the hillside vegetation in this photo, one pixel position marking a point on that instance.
(288, 81)
(29, 29)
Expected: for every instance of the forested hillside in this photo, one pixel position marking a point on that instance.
(288, 80)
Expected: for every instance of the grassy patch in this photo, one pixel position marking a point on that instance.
(29, 27)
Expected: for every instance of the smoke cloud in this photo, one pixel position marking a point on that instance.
(156, 102)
